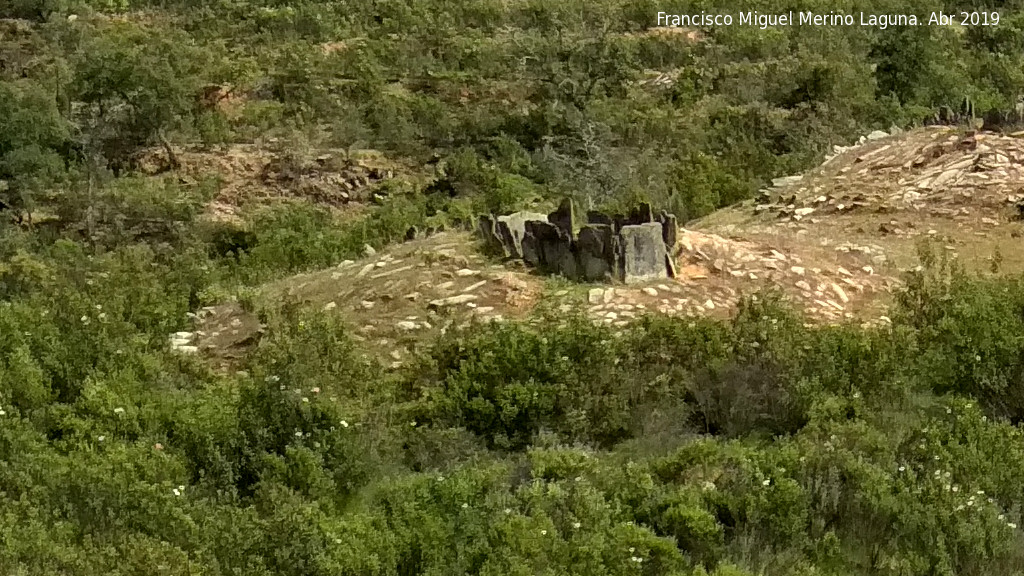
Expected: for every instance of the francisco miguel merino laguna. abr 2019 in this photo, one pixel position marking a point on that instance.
(765, 21)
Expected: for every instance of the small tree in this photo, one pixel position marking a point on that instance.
(137, 84)
(32, 133)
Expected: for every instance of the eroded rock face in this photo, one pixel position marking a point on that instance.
(630, 249)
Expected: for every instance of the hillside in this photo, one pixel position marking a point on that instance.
(835, 241)
(247, 326)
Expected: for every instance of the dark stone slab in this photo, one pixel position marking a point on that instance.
(669, 230)
(597, 217)
(563, 217)
(595, 252)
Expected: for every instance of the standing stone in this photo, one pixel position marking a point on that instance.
(618, 265)
(595, 252)
(530, 248)
(641, 214)
(642, 252)
(669, 230)
(597, 217)
(563, 216)
(549, 244)
(510, 230)
(618, 221)
(486, 231)
(566, 260)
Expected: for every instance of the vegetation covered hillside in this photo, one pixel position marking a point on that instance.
(221, 351)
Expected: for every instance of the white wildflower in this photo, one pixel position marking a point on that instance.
(766, 482)
(344, 424)
(118, 410)
(304, 399)
(101, 438)
(543, 532)
(176, 492)
(903, 468)
(1011, 525)
(465, 505)
(508, 510)
(576, 525)
(298, 433)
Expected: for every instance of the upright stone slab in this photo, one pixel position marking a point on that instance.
(595, 252)
(555, 250)
(669, 230)
(642, 214)
(563, 216)
(642, 252)
(597, 217)
(618, 221)
(510, 230)
(566, 257)
(618, 265)
(530, 247)
(542, 240)
(485, 229)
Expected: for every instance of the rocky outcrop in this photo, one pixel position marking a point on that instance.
(631, 248)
